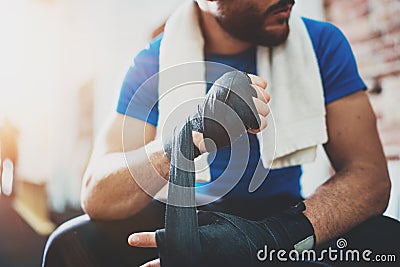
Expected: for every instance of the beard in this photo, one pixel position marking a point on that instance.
(247, 24)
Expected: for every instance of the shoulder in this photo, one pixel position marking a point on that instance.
(317, 28)
(324, 34)
(154, 46)
(150, 54)
(145, 64)
(138, 94)
(336, 60)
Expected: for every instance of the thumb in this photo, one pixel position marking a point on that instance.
(144, 240)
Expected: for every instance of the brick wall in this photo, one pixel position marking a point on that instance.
(373, 29)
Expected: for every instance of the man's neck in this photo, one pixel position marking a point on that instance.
(217, 40)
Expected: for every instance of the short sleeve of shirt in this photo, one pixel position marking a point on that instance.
(336, 60)
(139, 94)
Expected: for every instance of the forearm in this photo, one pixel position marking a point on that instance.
(112, 190)
(348, 198)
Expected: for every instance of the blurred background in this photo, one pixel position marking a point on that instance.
(62, 63)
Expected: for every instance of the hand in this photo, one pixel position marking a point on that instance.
(235, 103)
(261, 102)
(231, 234)
(145, 240)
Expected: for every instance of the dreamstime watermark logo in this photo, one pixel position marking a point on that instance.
(341, 243)
(180, 90)
(339, 254)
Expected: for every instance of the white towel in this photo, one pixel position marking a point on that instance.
(297, 120)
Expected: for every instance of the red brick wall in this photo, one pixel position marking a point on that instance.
(373, 29)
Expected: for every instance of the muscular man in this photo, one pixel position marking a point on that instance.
(348, 204)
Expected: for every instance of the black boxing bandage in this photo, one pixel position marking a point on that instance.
(228, 240)
(228, 111)
(181, 224)
(214, 238)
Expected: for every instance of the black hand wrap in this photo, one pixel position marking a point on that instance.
(228, 240)
(226, 113)
(181, 224)
(228, 110)
(221, 239)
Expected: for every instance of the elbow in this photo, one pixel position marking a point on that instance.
(89, 208)
(93, 212)
(104, 201)
(92, 202)
(95, 207)
(88, 203)
(383, 194)
(94, 197)
(101, 210)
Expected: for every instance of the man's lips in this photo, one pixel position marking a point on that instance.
(283, 12)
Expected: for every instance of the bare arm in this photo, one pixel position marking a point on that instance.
(361, 186)
(109, 189)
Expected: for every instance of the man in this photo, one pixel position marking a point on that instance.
(347, 204)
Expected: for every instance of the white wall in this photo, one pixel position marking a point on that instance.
(103, 37)
(29, 51)
(49, 50)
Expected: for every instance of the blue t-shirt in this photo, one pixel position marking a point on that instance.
(339, 76)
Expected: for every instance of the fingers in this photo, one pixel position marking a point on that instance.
(143, 240)
(198, 141)
(263, 122)
(261, 102)
(262, 107)
(262, 94)
(257, 80)
(260, 85)
(263, 125)
(153, 263)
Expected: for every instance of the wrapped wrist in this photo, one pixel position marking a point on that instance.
(294, 228)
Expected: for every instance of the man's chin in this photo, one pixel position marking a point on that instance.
(274, 38)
